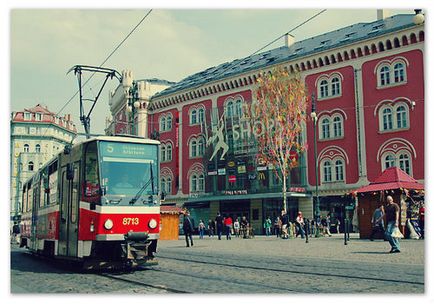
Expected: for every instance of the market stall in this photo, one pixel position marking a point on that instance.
(169, 222)
(405, 190)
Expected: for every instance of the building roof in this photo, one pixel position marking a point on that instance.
(392, 178)
(170, 209)
(333, 39)
(39, 109)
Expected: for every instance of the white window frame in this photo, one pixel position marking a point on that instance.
(340, 124)
(408, 159)
(193, 117)
(323, 126)
(26, 148)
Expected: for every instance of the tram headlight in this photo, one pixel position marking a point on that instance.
(108, 224)
(152, 224)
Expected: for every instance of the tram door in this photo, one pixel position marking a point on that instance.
(68, 226)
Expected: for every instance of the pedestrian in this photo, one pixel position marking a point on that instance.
(325, 222)
(299, 222)
(228, 225)
(312, 228)
(201, 229)
(219, 225)
(211, 228)
(277, 226)
(392, 220)
(377, 222)
(285, 223)
(237, 228)
(188, 228)
(338, 225)
(15, 233)
(244, 225)
(267, 226)
(422, 221)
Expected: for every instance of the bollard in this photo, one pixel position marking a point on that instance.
(306, 231)
(348, 230)
(345, 231)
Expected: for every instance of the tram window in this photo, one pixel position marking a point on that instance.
(91, 170)
(74, 198)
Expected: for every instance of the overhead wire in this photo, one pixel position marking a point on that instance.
(105, 60)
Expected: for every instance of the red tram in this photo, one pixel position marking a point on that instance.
(97, 202)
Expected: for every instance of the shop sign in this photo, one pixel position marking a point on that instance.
(262, 168)
(231, 164)
(261, 176)
(221, 171)
(232, 178)
(212, 173)
(297, 189)
(252, 176)
(235, 192)
(242, 169)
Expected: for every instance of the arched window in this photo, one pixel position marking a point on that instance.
(387, 119)
(399, 72)
(169, 122)
(404, 163)
(163, 153)
(337, 126)
(30, 166)
(168, 188)
(229, 109)
(238, 108)
(323, 89)
(193, 117)
(193, 183)
(200, 146)
(327, 169)
(336, 86)
(163, 185)
(193, 147)
(339, 170)
(169, 152)
(401, 117)
(389, 161)
(325, 128)
(163, 123)
(38, 148)
(384, 76)
(26, 148)
(201, 183)
(201, 115)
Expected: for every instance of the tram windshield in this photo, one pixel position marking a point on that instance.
(126, 168)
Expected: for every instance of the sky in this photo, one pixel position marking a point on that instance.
(41, 40)
(170, 44)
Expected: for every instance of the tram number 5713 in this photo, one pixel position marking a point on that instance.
(130, 221)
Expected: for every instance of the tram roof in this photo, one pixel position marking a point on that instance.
(124, 139)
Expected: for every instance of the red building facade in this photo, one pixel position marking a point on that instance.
(368, 83)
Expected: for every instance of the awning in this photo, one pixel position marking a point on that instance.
(390, 179)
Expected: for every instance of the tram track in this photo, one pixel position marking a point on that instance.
(142, 284)
(295, 272)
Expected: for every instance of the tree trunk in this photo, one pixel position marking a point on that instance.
(284, 191)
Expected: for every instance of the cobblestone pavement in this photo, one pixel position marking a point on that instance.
(258, 265)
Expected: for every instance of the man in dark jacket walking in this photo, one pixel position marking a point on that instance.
(219, 225)
(188, 228)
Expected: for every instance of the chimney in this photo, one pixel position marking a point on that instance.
(289, 40)
(383, 14)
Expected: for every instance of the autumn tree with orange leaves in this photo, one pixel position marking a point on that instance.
(277, 118)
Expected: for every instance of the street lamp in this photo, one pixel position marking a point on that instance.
(315, 121)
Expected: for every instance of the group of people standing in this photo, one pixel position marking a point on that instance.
(285, 229)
